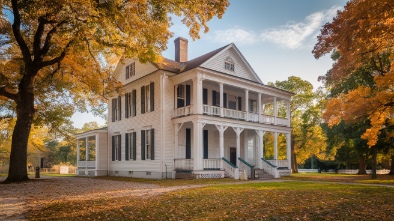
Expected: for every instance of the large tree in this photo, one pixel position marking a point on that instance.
(57, 51)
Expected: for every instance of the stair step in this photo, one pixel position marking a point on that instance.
(263, 175)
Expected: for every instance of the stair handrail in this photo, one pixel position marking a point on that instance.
(269, 163)
(251, 168)
(230, 169)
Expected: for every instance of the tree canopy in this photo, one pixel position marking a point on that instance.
(58, 55)
(362, 37)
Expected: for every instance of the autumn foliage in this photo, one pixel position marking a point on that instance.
(362, 35)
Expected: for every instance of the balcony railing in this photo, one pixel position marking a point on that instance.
(235, 114)
(265, 119)
(279, 163)
(183, 164)
(211, 164)
(211, 110)
(182, 111)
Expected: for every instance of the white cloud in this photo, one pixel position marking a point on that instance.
(292, 35)
(236, 35)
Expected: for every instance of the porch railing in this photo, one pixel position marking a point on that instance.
(182, 111)
(183, 164)
(254, 117)
(87, 164)
(279, 163)
(265, 119)
(236, 114)
(230, 169)
(211, 164)
(211, 110)
(248, 168)
(268, 167)
(282, 121)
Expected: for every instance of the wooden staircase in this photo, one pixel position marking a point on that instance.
(262, 175)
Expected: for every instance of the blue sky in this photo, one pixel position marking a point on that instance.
(275, 37)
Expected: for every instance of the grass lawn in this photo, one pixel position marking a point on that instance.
(290, 200)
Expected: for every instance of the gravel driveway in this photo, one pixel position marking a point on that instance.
(17, 199)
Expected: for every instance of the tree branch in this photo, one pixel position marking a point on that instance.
(48, 38)
(17, 33)
(37, 37)
(5, 93)
(57, 59)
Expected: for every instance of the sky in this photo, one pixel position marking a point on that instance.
(275, 37)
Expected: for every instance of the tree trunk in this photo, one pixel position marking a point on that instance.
(25, 112)
(374, 155)
(362, 166)
(392, 165)
(294, 166)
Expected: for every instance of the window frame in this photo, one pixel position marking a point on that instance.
(229, 64)
(130, 70)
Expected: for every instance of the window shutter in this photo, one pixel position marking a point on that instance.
(134, 100)
(126, 109)
(114, 103)
(187, 95)
(142, 99)
(152, 96)
(205, 96)
(239, 103)
(127, 146)
(127, 72)
(134, 145)
(225, 100)
(152, 144)
(113, 148)
(120, 147)
(120, 108)
(213, 98)
(142, 145)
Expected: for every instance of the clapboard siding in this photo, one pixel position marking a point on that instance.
(102, 151)
(141, 69)
(240, 68)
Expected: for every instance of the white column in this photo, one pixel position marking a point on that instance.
(275, 111)
(176, 96)
(221, 100)
(247, 104)
(176, 141)
(197, 94)
(259, 107)
(276, 147)
(238, 132)
(87, 150)
(288, 113)
(259, 151)
(288, 149)
(197, 146)
(221, 130)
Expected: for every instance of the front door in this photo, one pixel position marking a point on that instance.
(233, 156)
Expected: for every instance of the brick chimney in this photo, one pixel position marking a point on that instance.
(181, 49)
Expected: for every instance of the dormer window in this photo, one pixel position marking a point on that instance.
(229, 64)
(130, 70)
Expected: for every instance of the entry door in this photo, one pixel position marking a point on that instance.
(233, 156)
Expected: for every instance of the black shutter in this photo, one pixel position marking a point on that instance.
(225, 100)
(113, 148)
(142, 99)
(152, 144)
(213, 98)
(120, 147)
(127, 146)
(205, 96)
(134, 100)
(152, 96)
(188, 143)
(142, 145)
(239, 103)
(114, 103)
(187, 95)
(205, 143)
(134, 145)
(126, 109)
(120, 107)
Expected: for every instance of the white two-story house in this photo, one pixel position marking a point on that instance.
(203, 118)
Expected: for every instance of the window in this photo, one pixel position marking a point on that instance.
(91, 148)
(131, 146)
(229, 64)
(116, 109)
(82, 149)
(147, 144)
(180, 91)
(147, 98)
(130, 70)
(130, 104)
(116, 148)
(252, 106)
